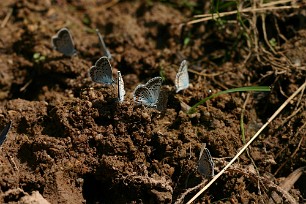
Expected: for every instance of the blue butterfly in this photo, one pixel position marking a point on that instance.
(121, 91)
(182, 77)
(148, 94)
(101, 72)
(63, 42)
(105, 51)
(4, 132)
(206, 164)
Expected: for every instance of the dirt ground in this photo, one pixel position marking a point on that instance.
(70, 142)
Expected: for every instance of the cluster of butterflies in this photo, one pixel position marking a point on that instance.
(148, 94)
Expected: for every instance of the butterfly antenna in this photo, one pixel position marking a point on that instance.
(102, 45)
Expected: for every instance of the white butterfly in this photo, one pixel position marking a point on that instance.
(121, 91)
(148, 94)
(101, 72)
(205, 163)
(63, 42)
(182, 77)
(105, 51)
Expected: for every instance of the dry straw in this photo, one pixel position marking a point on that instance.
(262, 8)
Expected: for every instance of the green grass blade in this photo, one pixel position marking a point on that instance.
(240, 89)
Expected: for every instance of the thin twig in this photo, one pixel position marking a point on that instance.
(246, 10)
(263, 7)
(203, 74)
(300, 99)
(263, 19)
(278, 30)
(189, 190)
(273, 3)
(298, 147)
(253, 24)
(7, 17)
(288, 118)
(110, 4)
(241, 118)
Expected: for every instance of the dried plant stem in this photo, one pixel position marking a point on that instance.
(7, 17)
(204, 74)
(189, 190)
(263, 19)
(207, 17)
(295, 151)
(251, 140)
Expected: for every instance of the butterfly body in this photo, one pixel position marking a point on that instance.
(147, 94)
(182, 77)
(101, 72)
(63, 42)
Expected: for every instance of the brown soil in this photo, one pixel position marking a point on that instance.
(72, 142)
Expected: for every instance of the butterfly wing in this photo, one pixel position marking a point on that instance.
(102, 71)
(154, 86)
(4, 132)
(206, 164)
(63, 42)
(121, 91)
(105, 51)
(182, 77)
(142, 95)
(148, 94)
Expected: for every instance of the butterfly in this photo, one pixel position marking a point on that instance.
(63, 42)
(101, 72)
(4, 132)
(148, 94)
(105, 51)
(121, 91)
(205, 163)
(182, 77)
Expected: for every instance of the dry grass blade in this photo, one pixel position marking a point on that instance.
(7, 17)
(292, 178)
(207, 17)
(206, 75)
(251, 140)
(287, 184)
(183, 195)
(265, 5)
(110, 4)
